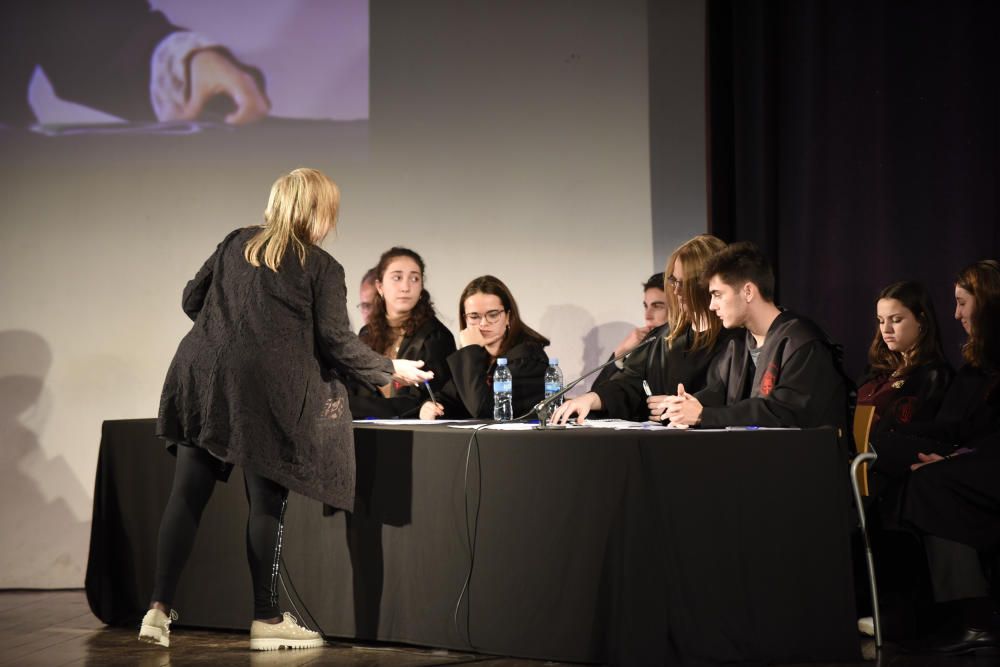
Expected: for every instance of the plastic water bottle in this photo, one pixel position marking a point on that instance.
(503, 403)
(553, 383)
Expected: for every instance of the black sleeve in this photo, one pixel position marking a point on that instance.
(470, 370)
(337, 344)
(931, 393)
(433, 351)
(468, 391)
(805, 395)
(196, 290)
(437, 347)
(968, 410)
(623, 397)
(720, 371)
(606, 375)
(528, 363)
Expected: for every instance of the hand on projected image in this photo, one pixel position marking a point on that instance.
(212, 73)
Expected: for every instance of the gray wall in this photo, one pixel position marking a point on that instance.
(504, 137)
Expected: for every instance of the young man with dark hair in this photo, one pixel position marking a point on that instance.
(785, 372)
(654, 312)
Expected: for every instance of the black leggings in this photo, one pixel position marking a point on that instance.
(194, 480)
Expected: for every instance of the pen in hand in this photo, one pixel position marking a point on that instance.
(430, 392)
(645, 388)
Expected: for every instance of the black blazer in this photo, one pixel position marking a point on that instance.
(469, 392)
(432, 343)
(796, 382)
(663, 367)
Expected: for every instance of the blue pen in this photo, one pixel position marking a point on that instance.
(429, 391)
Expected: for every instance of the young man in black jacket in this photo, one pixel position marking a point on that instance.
(783, 373)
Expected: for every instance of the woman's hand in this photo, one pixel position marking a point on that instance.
(430, 411)
(471, 336)
(408, 372)
(657, 406)
(581, 406)
(925, 459)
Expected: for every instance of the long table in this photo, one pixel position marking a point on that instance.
(626, 547)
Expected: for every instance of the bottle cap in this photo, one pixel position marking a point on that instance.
(553, 361)
(502, 361)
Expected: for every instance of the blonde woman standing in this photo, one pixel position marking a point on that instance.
(256, 383)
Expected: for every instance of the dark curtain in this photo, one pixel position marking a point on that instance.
(857, 144)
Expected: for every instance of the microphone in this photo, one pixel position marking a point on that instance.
(541, 408)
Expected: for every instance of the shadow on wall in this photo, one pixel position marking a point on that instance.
(578, 342)
(43, 539)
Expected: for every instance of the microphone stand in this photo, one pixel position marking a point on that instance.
(541, 408)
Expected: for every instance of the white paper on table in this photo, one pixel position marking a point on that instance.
(611, 424)
(505, 426)
(407, 422)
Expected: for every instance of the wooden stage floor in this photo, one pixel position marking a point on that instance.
(53, 628)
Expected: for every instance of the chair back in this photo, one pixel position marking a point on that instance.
(863, 417)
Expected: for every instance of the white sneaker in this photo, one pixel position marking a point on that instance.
(155, 628)
(287, 634)
(866, 626)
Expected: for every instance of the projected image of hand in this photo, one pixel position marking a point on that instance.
(212, 74)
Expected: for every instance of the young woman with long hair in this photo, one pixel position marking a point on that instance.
(971, 406)
(907, 374)
(402, 325)
(491, 328)
(683, 349)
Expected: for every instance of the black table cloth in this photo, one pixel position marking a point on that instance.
(626, 547)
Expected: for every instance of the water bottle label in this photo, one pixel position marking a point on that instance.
(552, 387)
(502, 386)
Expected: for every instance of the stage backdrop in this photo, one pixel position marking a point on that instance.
(507, 138)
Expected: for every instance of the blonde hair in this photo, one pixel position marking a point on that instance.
(301, 210)
(693, 255)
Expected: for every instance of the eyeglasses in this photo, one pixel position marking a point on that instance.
(674, 283)
(491, 317)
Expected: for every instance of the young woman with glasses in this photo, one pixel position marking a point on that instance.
(402, 325)
(491, 328)
(681, 354)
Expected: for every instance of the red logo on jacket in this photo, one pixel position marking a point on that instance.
(769, 380)
(904, 409)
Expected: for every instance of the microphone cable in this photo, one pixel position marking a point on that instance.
(302, 602)
(471, 534)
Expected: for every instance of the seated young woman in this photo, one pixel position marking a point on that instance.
(681, 353)
(971, 406)
(907, 374)
(402, 325)
(491, 328)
